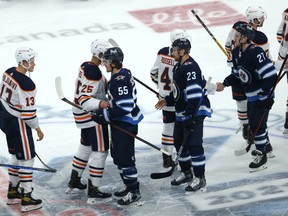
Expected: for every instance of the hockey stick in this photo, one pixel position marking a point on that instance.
(115, 44)
(279, 77)
(28, 168)
(58, 86)
(155, 92)
(186, 136)
(49, 169)
(209, 32)
(169, 172)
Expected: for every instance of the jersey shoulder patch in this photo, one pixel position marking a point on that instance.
(25, 83)
(164, 51)
(255, 49)
(260, 38)
(238, 23)
(91, 71)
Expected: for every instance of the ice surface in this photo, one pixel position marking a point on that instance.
(61, 32)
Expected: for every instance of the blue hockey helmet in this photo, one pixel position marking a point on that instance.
(114, 55)
(246, 31)
(182, 43)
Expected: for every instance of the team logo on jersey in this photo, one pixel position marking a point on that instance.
(176, 91)
(244, 75)
(120, 77)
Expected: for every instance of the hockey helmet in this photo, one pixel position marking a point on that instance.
(255, 12)
(24, 54)
(179, 33)
(113, 55)
(99, 46)
(246, 31)
(182, 43)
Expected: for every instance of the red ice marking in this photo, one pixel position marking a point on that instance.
(13, 209)
(166, 19)
(87, 209)
(88, 212)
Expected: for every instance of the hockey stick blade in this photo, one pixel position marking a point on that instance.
(29, 168)
(163, 174)
(240, 152)
(243, 151)
(58, 86)
(113, 42)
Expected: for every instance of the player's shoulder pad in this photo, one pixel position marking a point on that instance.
(91, 71)
(164, 51)
(238, 23)
(255, 49)
(260, 38)
(25, 83)
(189, 61)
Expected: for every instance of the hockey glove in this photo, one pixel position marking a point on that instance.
(251, 137)
(265, 101)
(101, 117)
(190, 123)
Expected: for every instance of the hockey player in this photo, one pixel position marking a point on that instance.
(255, 72)
(123, 112)
(18, 116)
(255, 17)
(282, 37)
(90, 93)
(191, 109)
(161, 74)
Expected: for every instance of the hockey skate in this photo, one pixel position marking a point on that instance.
(198, 184)
(131, 197)
(286, 124)
(167, 161)
(122, 193)
(260, 160)
(245, 128)
(94, 194)
(269, 150)
(75, 183)
(13, 195)
(29, 203)
(185, 177)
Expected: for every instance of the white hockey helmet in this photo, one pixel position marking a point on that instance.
(255, 12)
(179, 33)
(24, 54)
(99, 46)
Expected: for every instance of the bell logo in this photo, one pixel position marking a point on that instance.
(167, 19)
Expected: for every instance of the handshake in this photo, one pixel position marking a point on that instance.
(101, 116)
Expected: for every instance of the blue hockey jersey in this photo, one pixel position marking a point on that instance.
(188, 90)
(253, 70)
(122, 95)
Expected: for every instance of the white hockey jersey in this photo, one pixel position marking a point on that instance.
(162, 73)
(90, 89)
(282, 36)
(17, 92)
